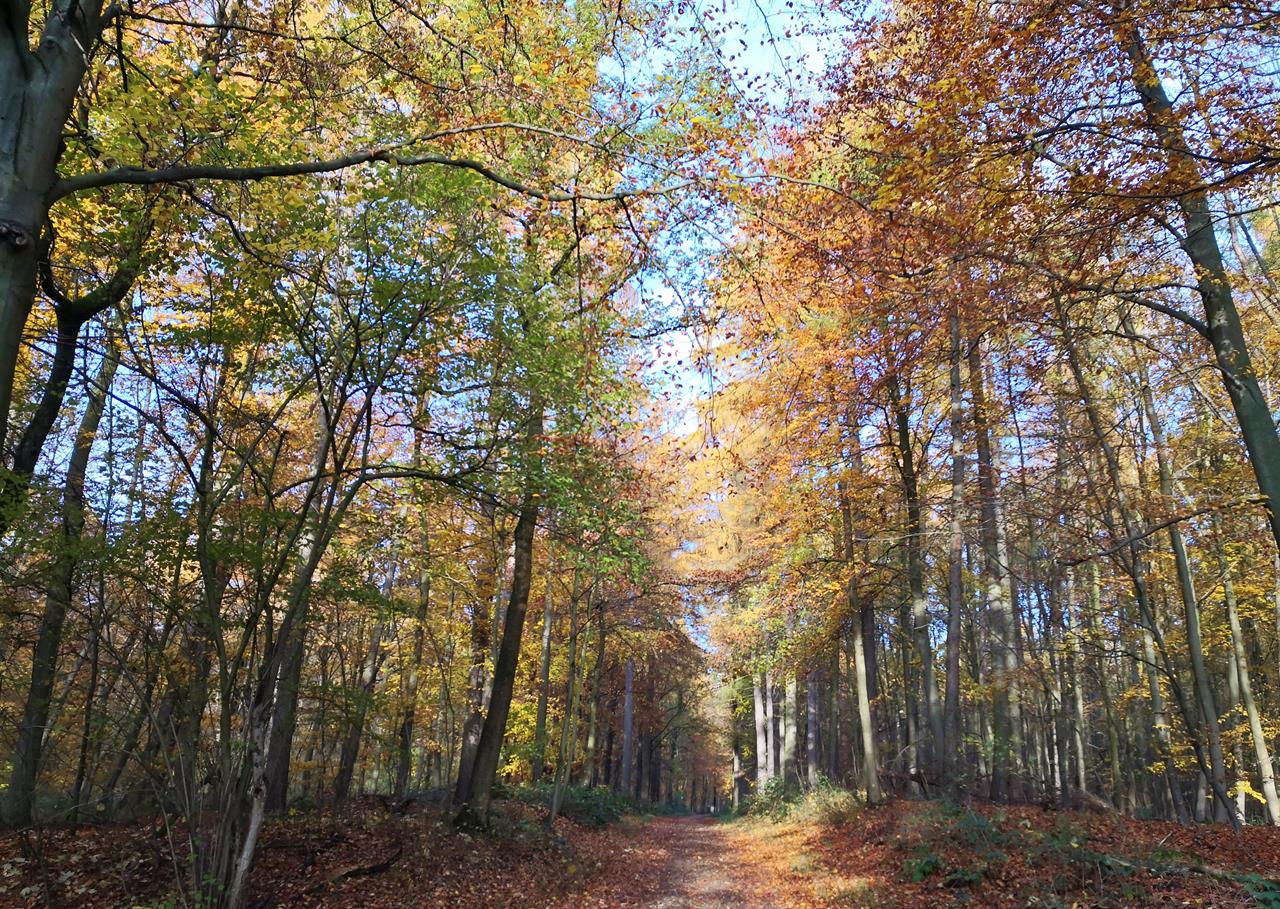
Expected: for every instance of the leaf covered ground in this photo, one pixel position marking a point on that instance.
(905, 855)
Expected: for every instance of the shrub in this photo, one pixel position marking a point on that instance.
(830, 806)
(591, 806)
(923, 863)
(976, 830)
(775, 801)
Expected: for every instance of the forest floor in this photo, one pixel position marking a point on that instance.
(904, 855)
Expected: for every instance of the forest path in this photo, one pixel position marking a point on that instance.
(692, 863)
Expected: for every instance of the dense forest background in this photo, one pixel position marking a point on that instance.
(450, 402)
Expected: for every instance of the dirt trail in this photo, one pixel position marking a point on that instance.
(687, 863)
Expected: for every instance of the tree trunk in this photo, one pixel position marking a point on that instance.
(408, 720)
(628, 726)
(568, 728)
(953, 762)
(475, 804)
(831, 744)
(931, 752)
(544, 679)
(284, 712)
(870, 760)
(762, 735)
(1186, 583)
(37, 91)
(813, 722)
(590, 768)
(997, 589)
(790, 717)
(44, 660)
(487, 575)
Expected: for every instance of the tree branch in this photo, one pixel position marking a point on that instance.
(139, 176)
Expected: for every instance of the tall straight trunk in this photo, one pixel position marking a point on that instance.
(736, 794)
(476, 800)
(953, 757)
(607, 777)
(1261, 752)
(408, 720)
(862, 626)
(413, 678)
(1000, 608)
(813, 723)
(44, 660)
(870, 759)
(758, 687)
(568, 728)
(628, 725)
(544, 678)
(590, 767)
(790, 719)
(78, 791)
(1199, 242)
(931, 750)
(790, 732)
(771, 726)
(1075, 659)
(1237, 752)
(831, 743)
(487, 584)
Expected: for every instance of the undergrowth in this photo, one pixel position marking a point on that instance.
(823, 803)
(591, 806)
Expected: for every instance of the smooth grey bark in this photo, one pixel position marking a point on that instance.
(544, 678)
(1000, 608)
(831, 739)
(862, 628)
(628, 726)
(762, 735)
(568, 727)
(790, 718)
(813, 723)
(477, 796)
(590, 768)
(1075, 660)
(284, 712)
(870, 759)
(953, 764)
(35, 716)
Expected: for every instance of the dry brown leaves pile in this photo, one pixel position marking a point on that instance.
(905, 855)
